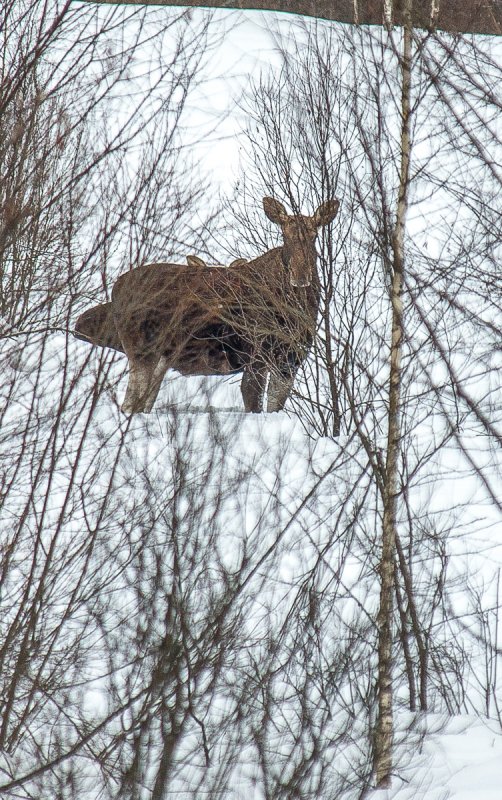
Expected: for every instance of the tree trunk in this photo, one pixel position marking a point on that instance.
(384, 727)
(456, 16)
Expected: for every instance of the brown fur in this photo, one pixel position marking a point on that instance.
(201, 356)
(97, 326)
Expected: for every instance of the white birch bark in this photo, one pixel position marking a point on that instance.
(384, 729)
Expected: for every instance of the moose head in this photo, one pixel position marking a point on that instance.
(299, 233)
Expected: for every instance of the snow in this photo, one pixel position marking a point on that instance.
(459, 759)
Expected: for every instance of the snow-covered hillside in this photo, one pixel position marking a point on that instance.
(189, 600)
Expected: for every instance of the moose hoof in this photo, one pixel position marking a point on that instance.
(274, 408)
(129, 408)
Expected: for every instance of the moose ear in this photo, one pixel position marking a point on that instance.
(195, 261)
(274, 210)
(326, 212)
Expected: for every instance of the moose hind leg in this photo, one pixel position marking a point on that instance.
(155, 383)
(139, 391)
(253, 388)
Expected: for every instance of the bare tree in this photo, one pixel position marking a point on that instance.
(87, 188)
(375, 115)
(190, 602)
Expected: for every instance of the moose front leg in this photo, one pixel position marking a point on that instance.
(282, 377)
(253, 385)
(279, 390)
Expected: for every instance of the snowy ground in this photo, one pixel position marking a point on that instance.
(460, 759)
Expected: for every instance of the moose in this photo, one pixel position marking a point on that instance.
(97, 326)
(256, 317)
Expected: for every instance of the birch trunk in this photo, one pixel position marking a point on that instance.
(384, 728)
